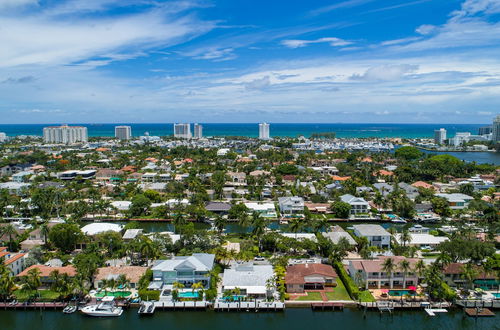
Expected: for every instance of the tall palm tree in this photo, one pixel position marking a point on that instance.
(122, 281)
(179, 220)
(469, 273)
(420, 268)
(44, 230)
(388, 266)
(7, 284)
(259, 225)
(220, 223)
(405, 267)
(296, 226)
(405, 237)
(10, 231)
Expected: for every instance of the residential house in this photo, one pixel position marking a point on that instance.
(12, 260)
(218, 207)
(46, 271)
(291, 205)
(457, 201)
(336, 233)
(303, 277)
(266, 210)
(375, 234)
(372, 274)
(358, 204)
(252, 280)
(183, 269)
(132, 273)
(422, 240)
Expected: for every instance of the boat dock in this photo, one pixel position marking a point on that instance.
(147, 308)
(405, 304)
(478, 312)
(325, 306)
(34, 305)
(249, 305)
(433, 311)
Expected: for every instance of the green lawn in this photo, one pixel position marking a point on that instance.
(366, 296)
(42, 295)
(310, 296)
(339, 292)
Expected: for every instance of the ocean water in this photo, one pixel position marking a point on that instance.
(276, 130)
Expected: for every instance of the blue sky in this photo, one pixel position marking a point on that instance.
(381, 61)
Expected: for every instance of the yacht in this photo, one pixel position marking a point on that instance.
(106, 307)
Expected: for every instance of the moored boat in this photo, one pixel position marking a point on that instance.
(105, 308)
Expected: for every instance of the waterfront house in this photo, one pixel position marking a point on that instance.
(453, 276)
(303, 277)
(375, 234)
(457, 201)
(218, 207)
(422, 240)
(132, 273)
(371, 274)
(46, 271)
(291, 205)
(266, 210)
(183, 269)
(358, 204)
(252, 280)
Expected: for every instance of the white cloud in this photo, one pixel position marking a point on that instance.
(258, 84)
(41, 39)
(10, 4)
(297, 43)
(386, 72)
(425, 29)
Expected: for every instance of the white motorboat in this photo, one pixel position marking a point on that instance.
(106, 307)
(69, 309)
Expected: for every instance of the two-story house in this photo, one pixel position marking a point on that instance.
(183, 269)
(358, 204)
(12, 260)
(291, 205)
(371, 273)
(375, 234)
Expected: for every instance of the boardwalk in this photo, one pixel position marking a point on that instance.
(34, 305)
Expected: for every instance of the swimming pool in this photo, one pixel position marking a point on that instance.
(188, 294)
(399, 293)
(496, 295)
(117, 294)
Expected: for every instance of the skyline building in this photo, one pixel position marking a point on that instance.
(496, 129)
(123, 132)
(198, 131)
(65, 134)
(485, 130)
(264, 131)
(439, 136)
(182, 130)
(3, 137)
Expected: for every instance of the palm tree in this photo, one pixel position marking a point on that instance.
(147, 248)
(199, 287)
(469, 273)
(44, 230)
(179, 220)
(259, 226)
(405, 267)
(55, 277)
(10, 231)
(420, 268)
(31, 282)
(220, 223)
(122, 281)
(7, 284)
(296, 226)
(405, 237)
(388, 266)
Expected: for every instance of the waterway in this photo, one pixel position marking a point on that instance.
(291, 319)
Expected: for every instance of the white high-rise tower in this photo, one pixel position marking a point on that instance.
(264, 131)
(198, 131)
(439, 136)
(123, 132)
(65, 134)
(182, 131)
(496, 129)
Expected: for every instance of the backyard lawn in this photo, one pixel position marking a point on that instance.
(310, 296)
(339, 292)
(42, 295)
(366, 296)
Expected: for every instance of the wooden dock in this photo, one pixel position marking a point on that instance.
(33, 305)
(249, 305)
(479, 312)
(327, 306)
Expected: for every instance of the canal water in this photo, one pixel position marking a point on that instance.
(291, 319)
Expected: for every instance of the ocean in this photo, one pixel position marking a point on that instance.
(277, 129)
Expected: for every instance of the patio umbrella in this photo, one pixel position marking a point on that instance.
(412, 288)
(385, 290)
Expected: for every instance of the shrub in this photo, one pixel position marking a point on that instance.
(149, 295)
(351, 288)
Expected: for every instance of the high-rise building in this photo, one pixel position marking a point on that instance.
(264, 131)
(182, 131)
(3, 137)
(485, 130)
(439, 136)
(198, 131)
(496, 129)
(123, 132)
(65, 134)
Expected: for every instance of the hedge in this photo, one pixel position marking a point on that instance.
(149, 295)
(351, 288)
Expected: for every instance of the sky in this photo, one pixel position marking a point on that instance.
(154, 61)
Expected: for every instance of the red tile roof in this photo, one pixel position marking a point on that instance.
(14, 258)
(295, 274)
(46, 270)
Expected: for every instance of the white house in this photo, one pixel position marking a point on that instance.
(252, 280)
(291, 205)
(422, 240)
(358, 204)
(266, 210)
(457, 201)
(375, 234)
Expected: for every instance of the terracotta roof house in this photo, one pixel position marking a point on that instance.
(453, 277)
(303, 277)
(422, 184)
(133, 274)
(45, 272)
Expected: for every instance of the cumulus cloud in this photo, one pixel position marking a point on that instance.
(297, 43)
(385, 72)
